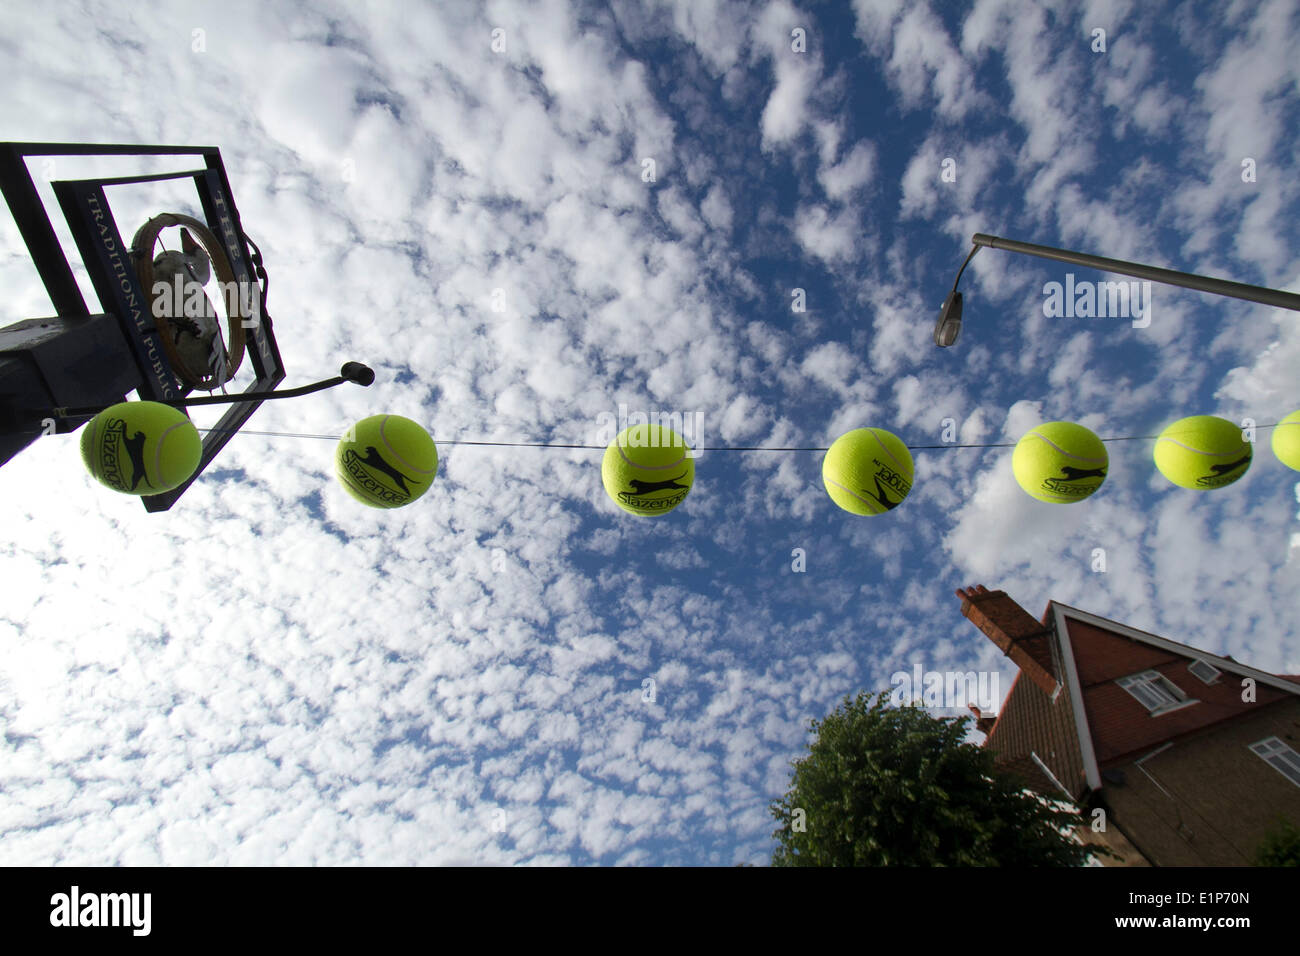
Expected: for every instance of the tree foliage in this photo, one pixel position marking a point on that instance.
(1281, 847)
(893, 786)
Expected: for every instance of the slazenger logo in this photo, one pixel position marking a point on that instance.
(102, 909)
(886, 477)
(357, 470)
(1062, 486)
(636, 497)
(114, 442)
(110, 452)
(1223, 474)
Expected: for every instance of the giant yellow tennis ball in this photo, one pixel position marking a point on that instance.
(141, 448)
(867, 471)
(1060, 462)
(1286, 441)
(648, 470)
(386, 461)
(1202, 452)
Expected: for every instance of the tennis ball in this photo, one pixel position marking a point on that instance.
(141, 448)
(867, 471)
(1060, 462)
(647, 470)
(1286, 441)
(1202, 452)
(386, 461)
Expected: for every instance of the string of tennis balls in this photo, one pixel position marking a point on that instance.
(388, 461)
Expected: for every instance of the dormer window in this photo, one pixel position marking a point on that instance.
(1157, 693)
(1208, 673)
(1280, 757)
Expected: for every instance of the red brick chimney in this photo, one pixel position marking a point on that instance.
(983, 724)
(1014, 631)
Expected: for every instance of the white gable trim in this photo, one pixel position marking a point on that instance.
(1086, 751)
(1173, 647)
(1051, 776)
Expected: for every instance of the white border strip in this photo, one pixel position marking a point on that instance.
(1051, 776)
(1076, 698)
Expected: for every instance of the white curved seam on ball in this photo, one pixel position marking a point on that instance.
(1063, 451)
(351, 483)
(885, 449)
(162, 439)
(1197, 451)
(389, 446)
(623, 454)
(850, 491)
(95, 456)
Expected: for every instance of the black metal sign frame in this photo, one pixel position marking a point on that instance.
(107, 260)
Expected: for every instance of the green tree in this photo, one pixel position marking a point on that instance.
(1280, 847)
(893, 786)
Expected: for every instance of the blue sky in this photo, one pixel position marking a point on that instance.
(272, 674)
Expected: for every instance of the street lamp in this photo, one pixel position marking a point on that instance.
(949, 324)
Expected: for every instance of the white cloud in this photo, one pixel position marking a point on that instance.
(717, 210)
(789, 108)
(833, 237)
(851, 173)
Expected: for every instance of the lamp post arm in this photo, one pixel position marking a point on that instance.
(351, 372)
(1238, 290)
(974, 249)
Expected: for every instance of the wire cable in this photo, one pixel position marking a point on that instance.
(526, 444)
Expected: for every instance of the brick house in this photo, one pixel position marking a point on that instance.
(1193, 757)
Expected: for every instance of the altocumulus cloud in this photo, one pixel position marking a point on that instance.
(270, 674)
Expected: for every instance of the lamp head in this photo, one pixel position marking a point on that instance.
(948, 327)
(356, 372)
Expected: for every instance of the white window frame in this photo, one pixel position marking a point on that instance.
(1156, 692)
(1277, 754)
(1206, 665)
